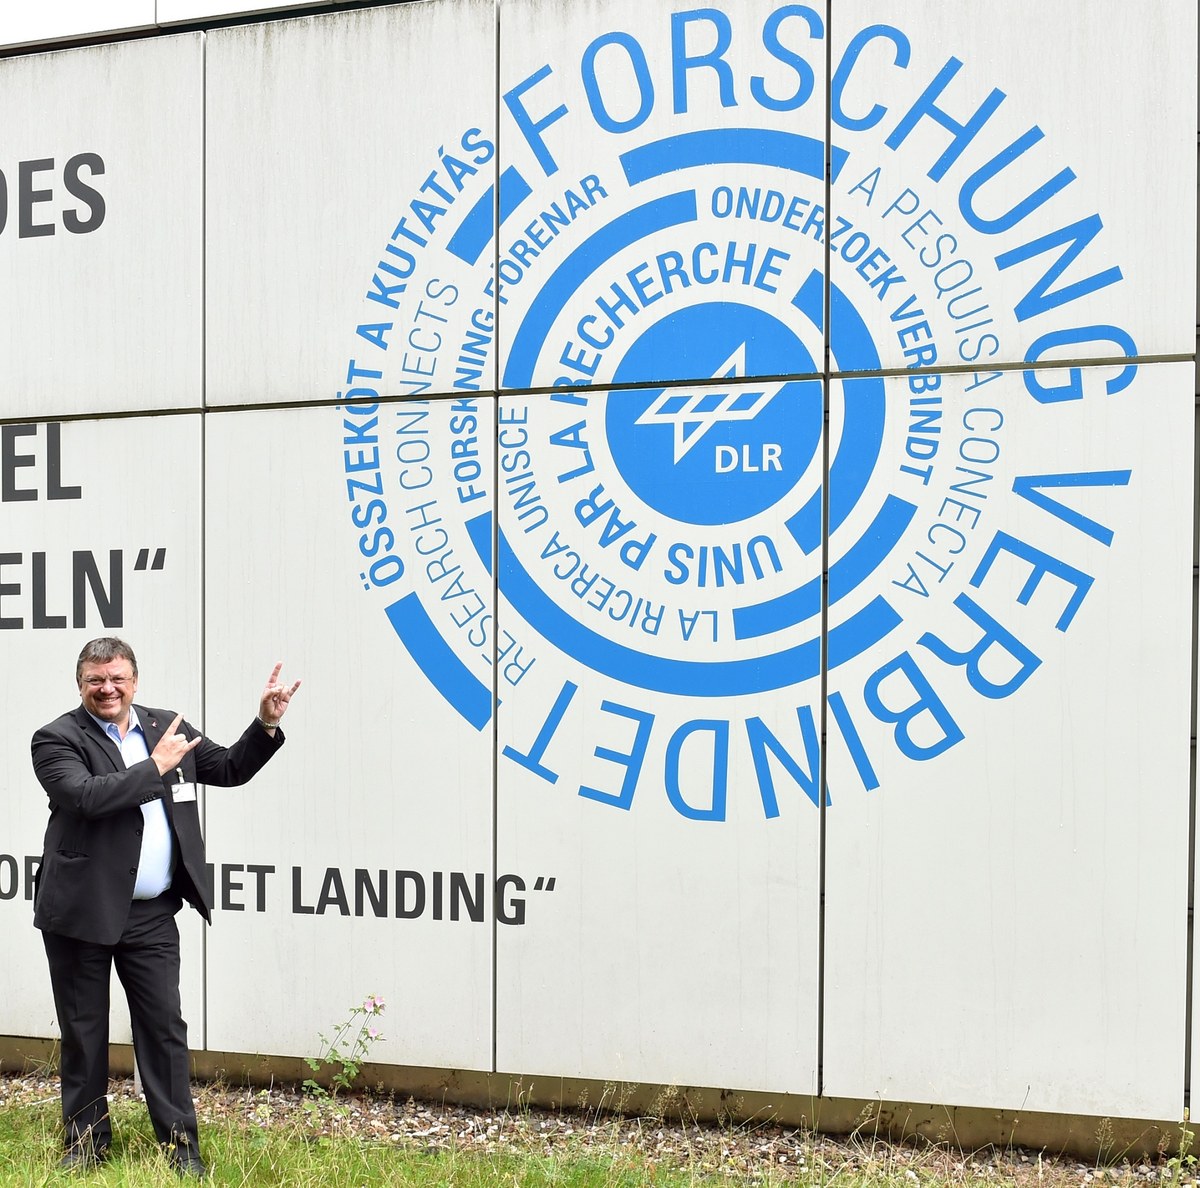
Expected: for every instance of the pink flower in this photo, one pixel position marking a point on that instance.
(373, 1033)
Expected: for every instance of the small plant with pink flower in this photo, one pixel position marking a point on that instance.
(345, 1052)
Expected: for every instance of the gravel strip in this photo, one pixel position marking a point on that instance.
(739, 1152)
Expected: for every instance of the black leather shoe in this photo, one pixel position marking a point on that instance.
(82, 1158)
(188, 1165)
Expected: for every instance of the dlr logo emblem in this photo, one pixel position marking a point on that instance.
(729, 459)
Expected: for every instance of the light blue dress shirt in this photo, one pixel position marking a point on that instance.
(156, 863)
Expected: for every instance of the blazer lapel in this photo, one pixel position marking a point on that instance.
(97, 740)
(152, 728)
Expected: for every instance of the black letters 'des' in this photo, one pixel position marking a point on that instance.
(32, 188)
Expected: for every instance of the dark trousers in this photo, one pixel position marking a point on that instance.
(147, 962)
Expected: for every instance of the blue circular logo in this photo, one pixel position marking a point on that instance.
(726, 450)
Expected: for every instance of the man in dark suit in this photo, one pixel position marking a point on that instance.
(123, 850)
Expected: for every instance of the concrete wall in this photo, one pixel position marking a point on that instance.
(605, 543)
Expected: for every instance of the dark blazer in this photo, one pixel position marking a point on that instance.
(94, 837)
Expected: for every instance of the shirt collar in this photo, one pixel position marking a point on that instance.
(110, 728)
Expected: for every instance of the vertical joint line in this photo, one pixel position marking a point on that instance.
(495, 730)
(1189, 956)
(203, 471)
(823, 756)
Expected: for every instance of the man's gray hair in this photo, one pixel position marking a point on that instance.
(104, 650)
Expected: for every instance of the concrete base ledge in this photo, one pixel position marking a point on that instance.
(1094, 1139)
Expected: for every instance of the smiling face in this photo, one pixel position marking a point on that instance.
(107, 689)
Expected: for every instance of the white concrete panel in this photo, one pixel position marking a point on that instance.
(1009, 824)
(51, 20)
(100, 249)
(628, 134)
(102, 537)
(657, 764)
(379, 775)
(1032, 208)
(337, 146)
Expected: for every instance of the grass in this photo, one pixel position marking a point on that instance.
(288, 1155)
(255, 1139)
(241, 1151)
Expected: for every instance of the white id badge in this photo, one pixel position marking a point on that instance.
(183, 792)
